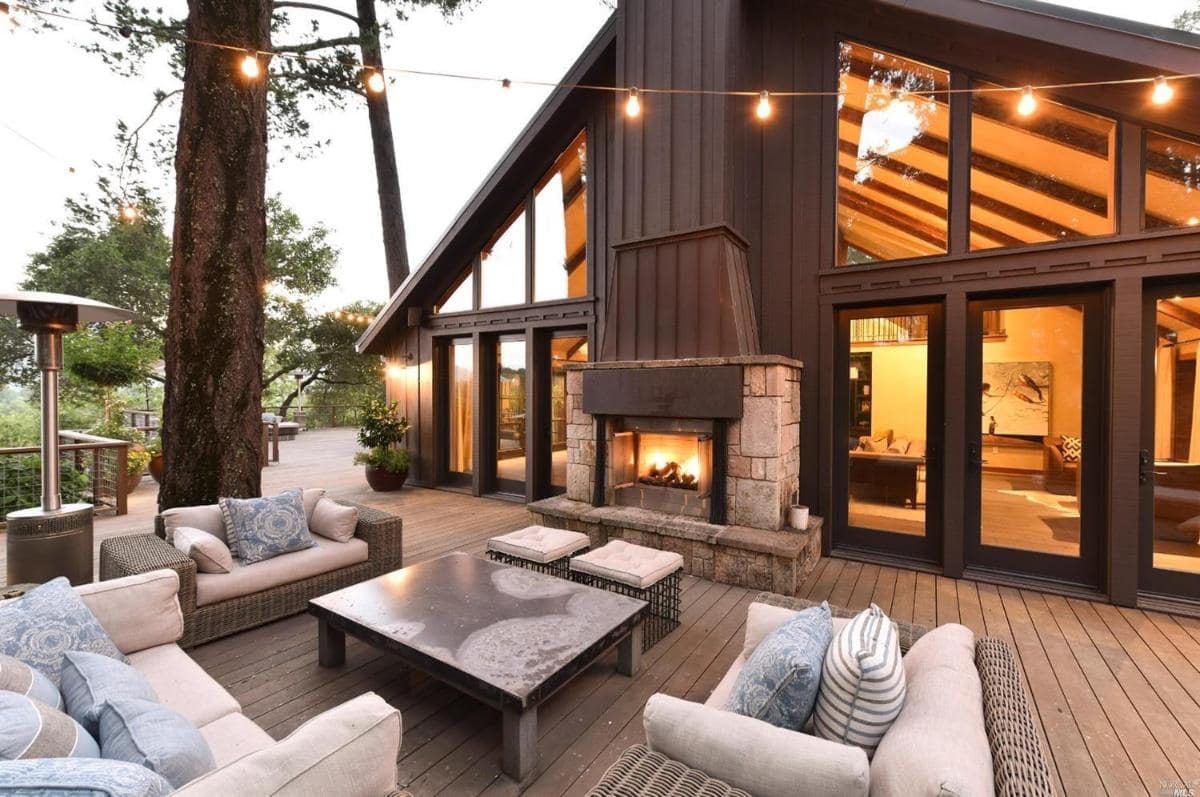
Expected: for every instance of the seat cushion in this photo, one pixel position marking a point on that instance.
(539, 543)
(635, 565)
(183, 684)
(88, 680)
(234, 736)
(206, 518)
(938, 744)
(80, 777)
(258, 529)
(17, 676)
(245, 579)
(156, 737)
(31, 729)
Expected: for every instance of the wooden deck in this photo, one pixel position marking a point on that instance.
(1117, 690)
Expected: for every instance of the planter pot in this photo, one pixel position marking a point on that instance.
(132, 482)
(384, 481)
(157, 467)
(798, 516)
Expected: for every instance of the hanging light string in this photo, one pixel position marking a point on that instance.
(1163, 90)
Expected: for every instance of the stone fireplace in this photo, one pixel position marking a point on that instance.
(699, 456)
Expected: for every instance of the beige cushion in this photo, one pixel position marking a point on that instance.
(243, 579)
(635, 565)
(310, 498)
(899, 447)
(183, 685)
(137, 612)
(751, 754)
(333, 520)
(349, 751)
(938, 744)
(209, 552)
(234, 736)
(206, 518)
(720, 694)
(539, 543)
(763, 618)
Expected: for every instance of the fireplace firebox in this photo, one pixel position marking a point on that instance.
(664, 464)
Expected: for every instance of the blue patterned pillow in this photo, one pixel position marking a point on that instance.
(79, 777)
(31, 729)
(46, 622)
(262, 528)
(780, 680)
(17, 676)
(88, 680)
(156, 737)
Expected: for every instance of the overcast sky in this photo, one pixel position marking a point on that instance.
(448, 133)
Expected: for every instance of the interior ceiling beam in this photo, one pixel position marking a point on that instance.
(911, 226)
(1172, 309)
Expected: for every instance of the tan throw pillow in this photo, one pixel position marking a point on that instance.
(898, 447)
(333, 520)
(210, 554)
(310, 498)
(206, 518)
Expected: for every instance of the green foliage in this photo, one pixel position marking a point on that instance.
(381, 426)
(137, 461)
(111, 355)
(1189, 20)
(115, 429)
(393, 460)
(21, 478)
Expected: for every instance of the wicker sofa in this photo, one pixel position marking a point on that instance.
(142, 553)
(1018, 763)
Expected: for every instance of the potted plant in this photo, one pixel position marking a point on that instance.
(137, 457)
(154, 448)
(382, 432)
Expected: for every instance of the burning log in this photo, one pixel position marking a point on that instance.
(670, 475)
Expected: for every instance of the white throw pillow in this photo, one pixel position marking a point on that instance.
(333, 520)
(862, 684)
(206, 518)
(310, 498)
(210, 554)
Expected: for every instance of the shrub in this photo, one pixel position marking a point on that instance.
(393, 460)
(381, 426)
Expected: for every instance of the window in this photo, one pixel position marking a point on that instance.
(460, 382)
(893, 157)
(502, 267)
(1172, 182)
(1044, 177)
(560, 228)
(460, 298)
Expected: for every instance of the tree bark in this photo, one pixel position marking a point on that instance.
(387, 176)
(214, 343)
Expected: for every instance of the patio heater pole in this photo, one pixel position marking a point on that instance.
(48, 347)
(299, 375)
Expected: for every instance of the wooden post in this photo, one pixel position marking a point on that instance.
(122, 502)
(275, 442)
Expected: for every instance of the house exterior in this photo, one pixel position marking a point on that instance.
(957, 322)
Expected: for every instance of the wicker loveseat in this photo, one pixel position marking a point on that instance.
(1018, 762)
(141, 553)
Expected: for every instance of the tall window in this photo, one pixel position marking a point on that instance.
(1172, 182)
(461, 381)
(560, 228)
(502, 267)
(461, 297)
(1048, 176)
(893, 157)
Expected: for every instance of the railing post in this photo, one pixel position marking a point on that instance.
(332, 416)
(122, 501)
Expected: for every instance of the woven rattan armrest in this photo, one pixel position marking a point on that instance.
(131, 554)
(384, 535)
(642, 773)
(1018, 762)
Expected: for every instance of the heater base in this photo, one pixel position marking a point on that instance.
(44, 545)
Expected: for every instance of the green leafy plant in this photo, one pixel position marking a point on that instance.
(382, 427)
(393, 460)
(138, 457)
(137, 461)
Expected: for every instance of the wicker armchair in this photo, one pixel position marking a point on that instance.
(1018, 762)
(141, 553)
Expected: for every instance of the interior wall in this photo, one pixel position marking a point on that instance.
(899, 384)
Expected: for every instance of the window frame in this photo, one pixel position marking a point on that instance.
(1144, 173)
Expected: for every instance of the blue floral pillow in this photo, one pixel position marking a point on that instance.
(780, 680)
(46, 622)
(263, 528)
(80, 777)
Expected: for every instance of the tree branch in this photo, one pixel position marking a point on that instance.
(312, 80)
(319, 44)
(133, 140)
(315, 7)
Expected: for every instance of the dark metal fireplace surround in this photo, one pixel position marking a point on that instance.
(669, 436)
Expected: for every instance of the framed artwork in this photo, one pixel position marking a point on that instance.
(1016, 398)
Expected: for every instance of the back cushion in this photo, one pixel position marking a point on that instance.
(206, 518)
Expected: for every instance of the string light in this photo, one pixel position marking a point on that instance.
(375, 82)
(129, 213)
(633, 105)
(250, 67)
(763, 110)
(506, 83)
(1028, 103)
(1163, 91)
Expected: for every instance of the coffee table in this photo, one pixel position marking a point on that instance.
(507, 636)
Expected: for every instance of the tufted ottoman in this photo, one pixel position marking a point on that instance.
(639, 572)
(539, 548)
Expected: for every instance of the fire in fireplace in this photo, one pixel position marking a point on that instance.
(663, 464)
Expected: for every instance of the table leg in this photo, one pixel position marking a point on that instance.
(629, 652)
(520, 742)
(331, 645)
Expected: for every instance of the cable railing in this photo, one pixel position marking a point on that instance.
(93, 470)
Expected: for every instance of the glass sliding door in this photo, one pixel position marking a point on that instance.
(887, 417)
(1035, 455)
(511, 415)
(565, 348)
(459, 405)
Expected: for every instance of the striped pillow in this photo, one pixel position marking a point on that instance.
(862, 686)
(31, 729)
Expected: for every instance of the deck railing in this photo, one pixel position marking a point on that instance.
(324, 416)
(93, 470)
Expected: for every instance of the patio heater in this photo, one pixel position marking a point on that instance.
(299, 377)
(53, 539)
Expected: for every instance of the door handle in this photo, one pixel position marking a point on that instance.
(975, 454)
(1146, 467)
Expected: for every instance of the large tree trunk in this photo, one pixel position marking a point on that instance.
(212, 411)
(387, 176)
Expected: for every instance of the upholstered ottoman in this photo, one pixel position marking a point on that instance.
(539, 548)
(639, 572)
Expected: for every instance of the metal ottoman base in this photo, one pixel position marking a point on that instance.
(663, 597)
(560, 567)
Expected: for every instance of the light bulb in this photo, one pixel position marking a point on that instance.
(1163, 91)
(250, 67)
(764, 106)
(337, 314)
(375, 82)
(1028, 103)
(1194, 221)
(633, 105)
(506, 83)
(394, 372)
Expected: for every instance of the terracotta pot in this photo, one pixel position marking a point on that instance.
(157, 467)
(132, 482)
(384, 481)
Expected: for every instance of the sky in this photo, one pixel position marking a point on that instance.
(448, 133)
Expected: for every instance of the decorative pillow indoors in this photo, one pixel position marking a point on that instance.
(780, 680)
(333, 520)
(89, 680)
(80, 777)
(50, 619)
(1071, 447)
(206, 518)
(17, 676)
(31, 729)
(898, 447)
(258, 529)
(862, 685)
(156, 737)
(209, 552)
